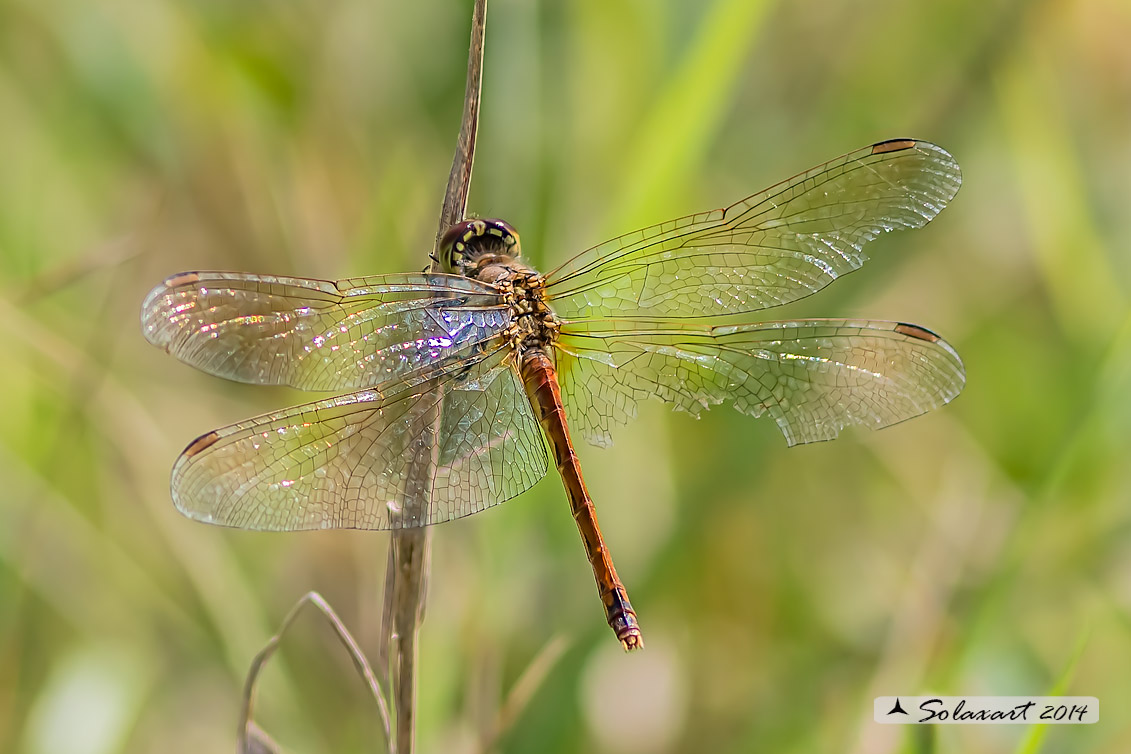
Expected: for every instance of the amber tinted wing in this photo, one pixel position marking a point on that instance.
(344, 463)
(317, 334)
(814, 377)
(772, 248)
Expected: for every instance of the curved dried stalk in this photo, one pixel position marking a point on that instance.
(253, 740)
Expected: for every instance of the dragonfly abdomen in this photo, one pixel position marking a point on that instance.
(540, 379)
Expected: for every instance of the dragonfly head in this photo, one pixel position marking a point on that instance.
(466, 243)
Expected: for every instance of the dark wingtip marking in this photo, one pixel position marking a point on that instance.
(892, 145)
(914, 331)
(184, 278)
(201, 443)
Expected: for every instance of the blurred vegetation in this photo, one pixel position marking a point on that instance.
(984, 549)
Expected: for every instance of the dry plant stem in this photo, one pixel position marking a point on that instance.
(459, 180)
(252, 739)
(407, 568)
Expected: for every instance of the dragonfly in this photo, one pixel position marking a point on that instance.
(451, 382)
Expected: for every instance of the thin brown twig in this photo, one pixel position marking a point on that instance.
(252, 738)
(459, 180)
(407, 568)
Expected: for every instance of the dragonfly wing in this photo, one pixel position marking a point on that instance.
(814, 377)
(318, 334)
(353, 461)
(777, 246)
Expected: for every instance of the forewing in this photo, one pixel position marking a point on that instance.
(777, 246)
(353, 461)
(321, 335)
(814, 377)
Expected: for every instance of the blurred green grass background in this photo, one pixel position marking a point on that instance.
(984, 549)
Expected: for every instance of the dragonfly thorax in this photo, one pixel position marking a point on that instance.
(534, 324)
(489, 251)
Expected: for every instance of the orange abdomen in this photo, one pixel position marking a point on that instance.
(540, 379)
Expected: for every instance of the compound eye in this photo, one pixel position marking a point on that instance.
(507, 235)
(467, 241)
(453, 247)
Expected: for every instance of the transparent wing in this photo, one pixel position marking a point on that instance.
(814, 377)
(351, 462)
(785, 243)
(317, 334)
